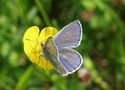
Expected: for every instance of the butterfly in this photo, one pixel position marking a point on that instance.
(59, 49)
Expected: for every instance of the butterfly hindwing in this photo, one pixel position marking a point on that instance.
(70, 59)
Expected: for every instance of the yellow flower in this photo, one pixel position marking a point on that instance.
(32, 40)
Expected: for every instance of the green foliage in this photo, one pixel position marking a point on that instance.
(102, 46)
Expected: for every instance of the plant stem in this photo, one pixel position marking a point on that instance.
(42, 11)
(21, 84)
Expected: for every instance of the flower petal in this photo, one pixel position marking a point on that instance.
(46, 33)
(32, 45)
(31, 34)
(29, 40)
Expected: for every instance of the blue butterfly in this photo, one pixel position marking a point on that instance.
(58, 49)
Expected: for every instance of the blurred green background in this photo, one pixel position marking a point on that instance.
(102, 45)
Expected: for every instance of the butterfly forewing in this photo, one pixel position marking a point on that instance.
(69, 36)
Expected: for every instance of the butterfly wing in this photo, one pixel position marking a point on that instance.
(69, 36)
(70, 59)
(51, 54)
